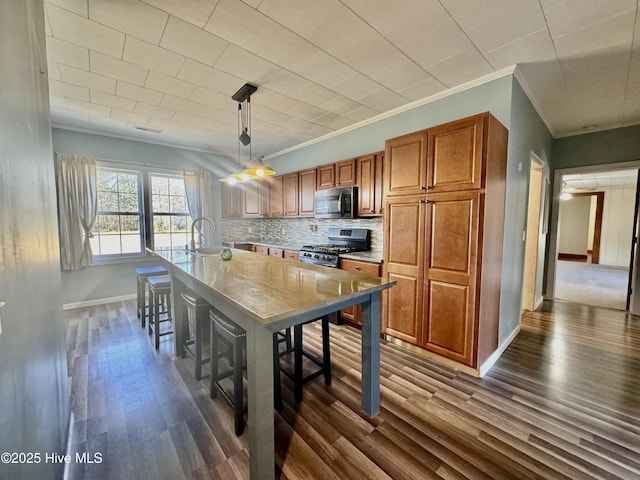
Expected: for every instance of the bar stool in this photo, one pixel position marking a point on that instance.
(224, 331)
(197, 316)
(324, 364)
(159, 295)
(142, 274)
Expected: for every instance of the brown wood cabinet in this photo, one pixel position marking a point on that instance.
(346, 173)
(370, 185)
(352, 315)
(231, 200)
(276, 252)
(443, 245)
(307, 183)
(290, 194)
(262, 249)
(275, 197)
(326, 176)
(292, 255)
(253, 199)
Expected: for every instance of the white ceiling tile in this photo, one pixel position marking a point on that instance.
(403, 77)
(520, 19)
(242, 64)
(153, 111)
(164, 124)
(222, 116)
(356, 87)
(377, 58)
(273, 100)
(531, 47)
(423, 90)
(191, 41)
(116, 68)
(327, 71)
(129, 116)
(306, 112)
(130, 16)
(468, 76)
(55, 100)
(437, 44)
(86, 107)
(214, 99)
(82, 31)
(284, 82)
(168, 84)
(613, 30)
(136, 92)
(198, 121)
(76, 6)
(266, 114)
(605, 71)
(454, 67)
(470, 13)
(340, 105)
(205, 76)
(68, 91)
(67, 53)
(404, 22)
(90, 80)
(68, 117)
(383, 100)
(182, 105)
(314, 94)
(151, 56)
(332, 121)
(571, 15)
(114, 101)
(193, 11)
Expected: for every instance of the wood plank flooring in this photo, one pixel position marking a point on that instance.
(563, 402)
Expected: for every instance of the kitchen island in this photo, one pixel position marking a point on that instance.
(263, 295)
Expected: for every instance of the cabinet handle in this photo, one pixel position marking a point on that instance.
(372, 211)
(425, 201)
(425, 188)
(357, 268)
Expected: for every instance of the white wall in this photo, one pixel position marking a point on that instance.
(617, 226)
(574, 225)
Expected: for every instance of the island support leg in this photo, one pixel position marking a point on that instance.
(260, 392)
(179, 315)
(371, 355)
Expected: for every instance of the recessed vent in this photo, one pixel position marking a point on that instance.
(147, 129)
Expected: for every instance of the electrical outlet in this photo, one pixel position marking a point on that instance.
(283, 233)
(250, 230)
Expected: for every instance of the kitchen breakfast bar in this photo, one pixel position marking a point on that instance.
(263, 295)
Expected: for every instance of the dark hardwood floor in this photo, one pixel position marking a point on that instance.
(563, 402)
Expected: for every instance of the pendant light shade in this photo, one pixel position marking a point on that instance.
(260, 169)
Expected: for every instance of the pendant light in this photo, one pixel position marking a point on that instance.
(238, 175)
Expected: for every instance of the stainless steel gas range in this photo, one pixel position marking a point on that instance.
(341, 240)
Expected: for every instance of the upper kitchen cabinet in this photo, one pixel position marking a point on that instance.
(253, 204)
(290, 194)
(275, 196)
(231, 201)
(405, 166)
(339, 174)
(370, 192)
(450, 157)
(307, 186)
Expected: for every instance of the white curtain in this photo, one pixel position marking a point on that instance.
(77, 206)
(199, 190)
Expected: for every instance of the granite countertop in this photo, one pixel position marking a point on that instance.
(374, 256)
(271, 289)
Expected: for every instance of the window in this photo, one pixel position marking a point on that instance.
(119, 219)
(171, 222)
(138, 209)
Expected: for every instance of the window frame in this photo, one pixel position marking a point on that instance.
(150, 239)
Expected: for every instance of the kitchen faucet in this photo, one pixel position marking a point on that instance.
(193, 230)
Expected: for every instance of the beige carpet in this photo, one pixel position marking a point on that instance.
(591, 284)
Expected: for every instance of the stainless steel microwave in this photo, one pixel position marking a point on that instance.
(339, 202)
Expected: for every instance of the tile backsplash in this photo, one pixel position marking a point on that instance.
(295, 231)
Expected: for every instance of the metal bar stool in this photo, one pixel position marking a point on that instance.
(197, 316)
(142, 274)
(325, 363)
(159, 295)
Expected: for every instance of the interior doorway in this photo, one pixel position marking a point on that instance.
(595, 237)
(532, 281)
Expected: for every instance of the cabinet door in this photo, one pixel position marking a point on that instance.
(276, 252)
(405, 164)
(353, 314)
(262, 250)
(275, 197)
(450, 274)
(366, 181)
(326, 176)
(378, 188)
(290, 194)
(455, 153)
(231, 200)
(307, 181)
(404, 257)
(252, 199)
(292, 255)
(346, 173)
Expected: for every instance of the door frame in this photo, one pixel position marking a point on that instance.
(552, 251)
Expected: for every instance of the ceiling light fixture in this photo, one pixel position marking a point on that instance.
(260, 169)
(565, 195)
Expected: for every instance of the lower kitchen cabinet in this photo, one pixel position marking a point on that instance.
(292, 255)
(352, 315)
(262, 250)
(276, 252)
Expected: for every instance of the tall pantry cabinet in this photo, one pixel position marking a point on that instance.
(443, 233)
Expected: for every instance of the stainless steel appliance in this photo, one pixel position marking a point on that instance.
(339, 202)
(341, 240)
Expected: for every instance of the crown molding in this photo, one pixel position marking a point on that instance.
(409, 106)
(534, 101)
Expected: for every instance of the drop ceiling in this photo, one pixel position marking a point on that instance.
(593, 181)
(164, 70)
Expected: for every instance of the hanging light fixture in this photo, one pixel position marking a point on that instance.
(260, 169)
(238, 175)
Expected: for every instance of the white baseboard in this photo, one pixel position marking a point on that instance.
(538, 302)
(98, 301)
(493, 358)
